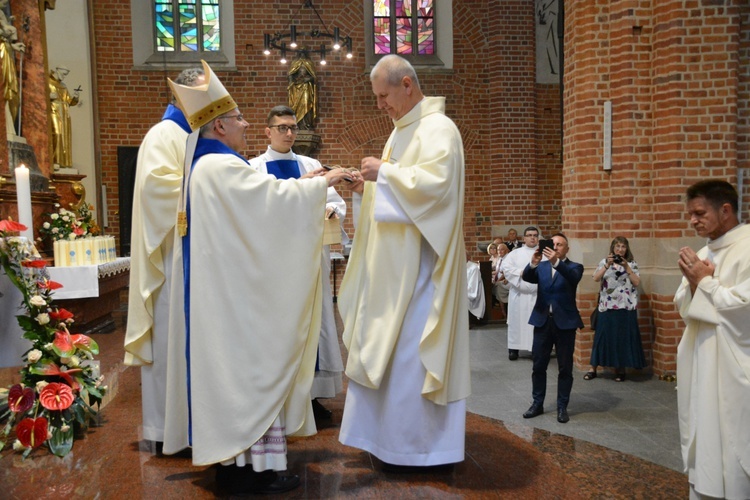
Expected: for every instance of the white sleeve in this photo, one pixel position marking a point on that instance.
(387, 207)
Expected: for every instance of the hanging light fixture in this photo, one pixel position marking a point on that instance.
(307, 43)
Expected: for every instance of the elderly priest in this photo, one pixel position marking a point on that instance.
(241, 364)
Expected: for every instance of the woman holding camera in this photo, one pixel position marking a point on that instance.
(617, 341)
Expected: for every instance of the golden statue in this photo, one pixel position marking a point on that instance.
(8, 45)
(61, 131)
(303, 94)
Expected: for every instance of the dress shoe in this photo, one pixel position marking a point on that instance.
(320, 412)
(281, 485)
(512, 354)
(562, 415)
(534, 411)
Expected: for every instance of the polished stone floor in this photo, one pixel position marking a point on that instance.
(621, 442)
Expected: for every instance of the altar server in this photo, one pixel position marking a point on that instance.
(241, 367)
(403, 299)
(280, 161)
(158, 177)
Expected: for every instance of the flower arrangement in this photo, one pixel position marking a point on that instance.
(59, 386)
(67, 224)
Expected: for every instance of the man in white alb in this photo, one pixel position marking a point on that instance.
(403, 299)
(522, 294)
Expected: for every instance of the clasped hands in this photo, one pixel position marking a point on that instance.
(693, 268)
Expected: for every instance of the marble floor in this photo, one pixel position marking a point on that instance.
(620, 443)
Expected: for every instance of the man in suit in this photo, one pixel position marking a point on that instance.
(555, 318)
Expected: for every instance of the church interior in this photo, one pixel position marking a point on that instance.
(587, 117)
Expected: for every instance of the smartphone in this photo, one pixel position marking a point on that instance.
(546, 244)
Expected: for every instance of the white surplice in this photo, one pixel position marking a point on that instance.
(713, 371)
(521, 298)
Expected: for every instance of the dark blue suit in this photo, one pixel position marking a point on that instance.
(558, 295)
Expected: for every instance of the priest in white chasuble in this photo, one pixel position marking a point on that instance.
(713, 357)
(280, 161)
(241, 367)
(158, 178)
(403, 299)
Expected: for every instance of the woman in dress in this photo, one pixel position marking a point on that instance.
(617, 341)
(499, 283)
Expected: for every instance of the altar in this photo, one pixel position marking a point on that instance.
(91, 293)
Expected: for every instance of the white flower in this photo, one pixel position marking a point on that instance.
(55, 230)
(72, 236)
(17, 446)
(66, 218)
(42, 318)
(65, 428)
(48, 346)
(45, 225)
(35, 355)
(37, 301)
(57, 205)
(64, 361)
(41, 385)
(54, 216)
(74, 361)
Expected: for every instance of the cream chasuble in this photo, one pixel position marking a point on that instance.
(424, 171)
(252, 338)
(713, 371)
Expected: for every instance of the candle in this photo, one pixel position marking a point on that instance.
(23, 195)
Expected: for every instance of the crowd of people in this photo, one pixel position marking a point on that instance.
(205, 329)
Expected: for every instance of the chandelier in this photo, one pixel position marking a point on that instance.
(307, 43)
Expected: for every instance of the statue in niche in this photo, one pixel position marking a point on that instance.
(9, 44)
(303, 92)
(62, 133)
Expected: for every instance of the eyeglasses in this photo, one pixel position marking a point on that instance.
(285, 128)
(238, 117)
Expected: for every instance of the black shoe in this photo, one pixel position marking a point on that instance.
(281, 485)
(534, 411)
(321, 412)
(418, 469)
(512, 354)
(562, 415)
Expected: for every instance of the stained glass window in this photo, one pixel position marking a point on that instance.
(404, 27)
(187, 26)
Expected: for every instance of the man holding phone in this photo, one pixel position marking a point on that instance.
(555, 318)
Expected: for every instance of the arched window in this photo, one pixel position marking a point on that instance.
(418, 30)
(182, 31)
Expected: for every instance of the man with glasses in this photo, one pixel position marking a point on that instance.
(280, 161)
(522, 295)
(241, 366)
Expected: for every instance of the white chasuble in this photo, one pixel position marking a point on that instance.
(404, 302)
(713, 371)
(252, 340)
(156, 191)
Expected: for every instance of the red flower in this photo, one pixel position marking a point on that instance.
(50, 285)
(67, 344)
(32, 432)
(56, 396)
(49, 368)
(39, 263)
(20, 399)
(10, 225)
(60, 314)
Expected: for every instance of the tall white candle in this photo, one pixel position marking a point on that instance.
(23, 195)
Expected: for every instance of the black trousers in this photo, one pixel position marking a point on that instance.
(564, 342)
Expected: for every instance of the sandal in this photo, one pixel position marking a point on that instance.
(590, 375)
(620, 377)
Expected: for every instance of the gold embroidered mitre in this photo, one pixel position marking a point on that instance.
(203, 103)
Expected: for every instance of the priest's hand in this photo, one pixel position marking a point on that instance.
(314, 173)
(370, 168)
(331, 213)
(337, 175)
(693, 268)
